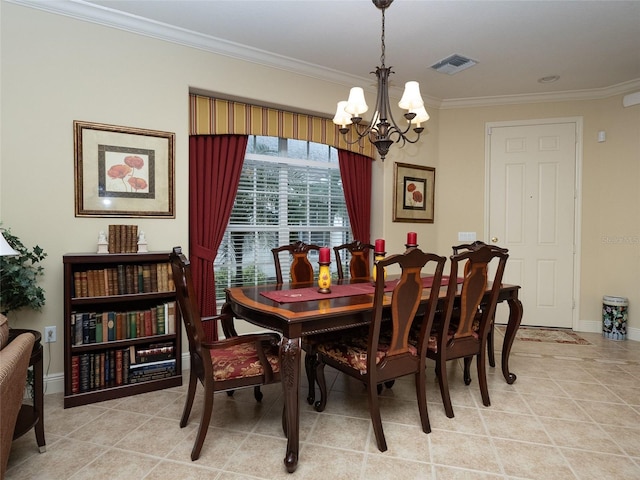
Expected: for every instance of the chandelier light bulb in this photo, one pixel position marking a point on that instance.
(421, 116)
(342, 118)
(356, 104)
(411, 98)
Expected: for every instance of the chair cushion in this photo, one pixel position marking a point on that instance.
(351, 348)
(241, 361)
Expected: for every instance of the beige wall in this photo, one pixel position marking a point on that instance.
(610, 224)
(56, 70)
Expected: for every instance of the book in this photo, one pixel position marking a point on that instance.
(85, 328)
(121, 328)
(111, 326)
(79, 328)
(84, 372)
(146, 278)
(122, 286)
(98, 328)
(112, 239)
(171, 318)
(75, 374)
(92, 327)
(160, 319)
(118, 368)
(126, 363)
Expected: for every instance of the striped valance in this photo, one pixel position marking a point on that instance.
(213, 116)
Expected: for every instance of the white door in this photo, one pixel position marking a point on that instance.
(532, 178)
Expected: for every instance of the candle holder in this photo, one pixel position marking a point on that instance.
(411, 245)
(379, 256)
(324, 278)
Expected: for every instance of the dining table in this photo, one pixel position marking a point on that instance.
(299, 310)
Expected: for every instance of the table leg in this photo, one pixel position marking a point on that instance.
(38, 388)
(290, 377)
(515, 317)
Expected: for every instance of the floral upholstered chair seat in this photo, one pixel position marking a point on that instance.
(351, 348)
(241, 361)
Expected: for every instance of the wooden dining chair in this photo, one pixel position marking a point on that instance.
(222, 365)
(301, 272)
(381, 351)
(490, 338)
(301, 269)
(474, 321)
(359, 263)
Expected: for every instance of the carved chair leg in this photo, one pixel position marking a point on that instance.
(441, 369)
(257, 393)
(191, 393)
(322, 385)
(467, 370)
(491, 345)
(207, 409)
(421, 391)
(374, 411)
(482, 380)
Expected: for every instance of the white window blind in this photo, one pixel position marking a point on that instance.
(289, 190)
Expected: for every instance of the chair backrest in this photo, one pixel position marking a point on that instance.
(405, 303)
(190, 312)
(475, 246)
(301, 268)
(474, 286)
(359, 264)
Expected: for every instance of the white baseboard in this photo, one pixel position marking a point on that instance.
(594, 326)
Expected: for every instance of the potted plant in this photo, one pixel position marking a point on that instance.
(19, 283)
(19, 276)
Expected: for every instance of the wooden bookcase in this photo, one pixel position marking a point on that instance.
(97, 362)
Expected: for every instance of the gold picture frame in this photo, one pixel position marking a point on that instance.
(123, 171)
(413, 193)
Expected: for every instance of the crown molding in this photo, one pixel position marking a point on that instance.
(108, 17)
(566, 96)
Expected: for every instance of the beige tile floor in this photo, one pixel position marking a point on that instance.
(573, 413)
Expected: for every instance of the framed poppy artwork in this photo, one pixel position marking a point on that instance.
(123, 171)
(413, 193)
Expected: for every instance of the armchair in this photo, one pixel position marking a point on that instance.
(14, 361)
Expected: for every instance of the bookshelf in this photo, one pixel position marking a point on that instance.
(122, 329)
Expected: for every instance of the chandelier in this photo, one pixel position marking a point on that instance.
(383, 130)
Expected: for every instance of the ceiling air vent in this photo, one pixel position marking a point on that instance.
(453, 64)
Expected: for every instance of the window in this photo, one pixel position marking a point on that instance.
(289, 190)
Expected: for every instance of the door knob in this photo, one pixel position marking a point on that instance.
(494, 239)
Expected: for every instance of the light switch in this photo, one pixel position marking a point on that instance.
(466, 236)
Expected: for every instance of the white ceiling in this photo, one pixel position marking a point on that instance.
(594, 46)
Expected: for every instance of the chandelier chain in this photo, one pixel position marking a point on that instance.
(382, 40)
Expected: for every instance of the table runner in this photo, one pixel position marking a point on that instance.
(308, 294)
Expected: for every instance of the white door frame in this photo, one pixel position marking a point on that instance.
(578, 121)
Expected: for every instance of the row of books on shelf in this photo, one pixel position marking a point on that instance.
(123, 239)
(112, 368)
(123, 279)
(98, 327)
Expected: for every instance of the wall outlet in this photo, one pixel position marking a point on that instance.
(466, 236)
(49, 334)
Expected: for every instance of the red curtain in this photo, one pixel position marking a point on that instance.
(215, 164)
(355, 171)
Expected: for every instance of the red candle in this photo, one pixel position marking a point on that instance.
(412, 238)
(379, 247)
(324, 255)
